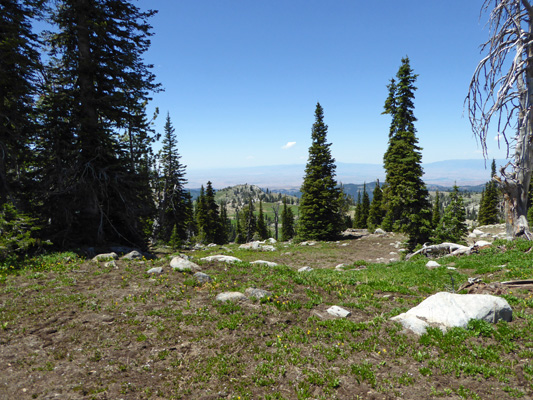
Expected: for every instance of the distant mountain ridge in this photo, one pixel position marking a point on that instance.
(441, 173)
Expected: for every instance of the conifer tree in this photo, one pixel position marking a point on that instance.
(262, 230)
(319, 206)
(365, 210)
(435, 218)
(357, 212)
(488, 207)
(375, 214)
(287, 222)
(452, 226)
(96, 94)
(405, 196)
(171, 196)
(19, 61)
(248, 222)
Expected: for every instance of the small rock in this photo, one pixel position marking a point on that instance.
(268, 248)
(106, 257)
(340, 267)
(111, 264)
(202, 278)
(211, 245)
(271, 240)
(231, 296)
(267, 263)
(305, 269)
(483, 243)
(451, 268)
(155, 271)
(257, 293)
(132, 255)
(307, 243)
(250, 246)
(477, 232)
(432, 264)
(183, 265)
(379, 231)
(221, 258)
(337, 311)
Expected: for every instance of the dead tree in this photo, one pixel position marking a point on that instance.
(502, 90)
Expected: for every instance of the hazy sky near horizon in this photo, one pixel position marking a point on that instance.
(242, 78)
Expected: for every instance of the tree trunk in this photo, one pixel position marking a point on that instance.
(516, 186)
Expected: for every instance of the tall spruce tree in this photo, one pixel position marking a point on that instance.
(488, 207)
(100, 84)
(362, 222)
(375, 214)
(405, 196)
(262, 230)
(452, 226)
(435, 216)
(209, 226)
(171, 196)
(19, 61)
(287, 222)
(320, 218)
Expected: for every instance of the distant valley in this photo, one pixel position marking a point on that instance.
(469, 174)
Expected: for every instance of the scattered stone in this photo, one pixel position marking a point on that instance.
(305, 269)
(111, 264)
(393, 253)
(472, 235)
(132, 255)
(268, 248)
(230, 296)
(202, 278)
(257, 293)
(250, 246)
(272, 240)
(183, 265)
(337, 311)
(477, 232)
(451, 268)
(263, 262)
(432, 264)
(340, 267)
(446, 310)
(221, 258)
(212, 245)
(307, 243)
(379, 231)
(155, 271)
(482, 243)
(106, 257)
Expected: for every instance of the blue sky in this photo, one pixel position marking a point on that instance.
(242, 78)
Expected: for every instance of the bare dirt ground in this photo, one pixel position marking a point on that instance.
(87, 331)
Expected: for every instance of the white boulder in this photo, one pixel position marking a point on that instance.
(337, 311)
(183, 265)
(447, 310)
(221, 258)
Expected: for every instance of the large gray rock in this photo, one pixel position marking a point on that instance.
(202, 278)
(221, 258)
(155, 271)
(266, 263)
(231, 296)
(132, 255)
(337, 311)
(250, 246)
(183, 265)
(106, 257)
(447, 310)
(257, 293)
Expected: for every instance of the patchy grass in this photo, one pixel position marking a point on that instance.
(71, 328)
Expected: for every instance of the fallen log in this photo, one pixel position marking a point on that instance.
(441, 249)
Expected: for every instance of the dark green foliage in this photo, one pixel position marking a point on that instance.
(15, 231)
(262, 230)
(173, 201)
(320, 218)
(452, 226)
(362, 210)
(345, 202)
(94, 149)
(287, 222)
(175, 240)
(19, 62)
(375, 213)
(490, 200)
(208, 217)
(435, 218)
(405, 196)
